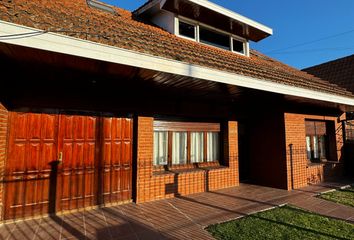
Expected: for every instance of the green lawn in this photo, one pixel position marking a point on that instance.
(342, 196)
(283, 223)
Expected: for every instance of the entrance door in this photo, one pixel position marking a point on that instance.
(117, 159)
(32, 148)
(77, 142)
(95, 166)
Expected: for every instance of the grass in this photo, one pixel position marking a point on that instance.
(285, 222)
(342, 196)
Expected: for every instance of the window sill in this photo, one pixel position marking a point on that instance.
(187, 170)
(311, 164)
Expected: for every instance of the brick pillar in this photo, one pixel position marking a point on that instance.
(3, 144)
(233, 144)
(144, 157)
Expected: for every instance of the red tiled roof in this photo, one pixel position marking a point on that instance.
(75, 18)
(339, 71)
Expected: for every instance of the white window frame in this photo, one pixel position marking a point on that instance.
(197, 24)
(196, 29)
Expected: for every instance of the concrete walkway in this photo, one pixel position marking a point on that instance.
(178, 218)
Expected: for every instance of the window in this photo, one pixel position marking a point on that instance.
(197, 147)
(213, 38)
(187, 30)
(179, 148)
(349, 131)
(209, 35)
(182, 143)
(160, 148)
(316, 140)
(212, 146)
(238, 46)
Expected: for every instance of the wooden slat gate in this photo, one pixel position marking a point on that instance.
(95, 166)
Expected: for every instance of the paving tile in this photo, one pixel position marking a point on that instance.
(178, 218)
(6, 230)
(48, 229)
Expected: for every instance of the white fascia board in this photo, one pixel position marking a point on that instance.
(233, 15)
(148, 6)
(216, 8)
(82, 48)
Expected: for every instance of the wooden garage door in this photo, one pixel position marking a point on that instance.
(32, 149)
(96, 156)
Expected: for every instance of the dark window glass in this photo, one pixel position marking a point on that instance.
(186, 30)
(213, 38)
(238, 46)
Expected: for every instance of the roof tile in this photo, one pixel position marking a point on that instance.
(76, 18)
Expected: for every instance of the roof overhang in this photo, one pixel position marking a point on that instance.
(33, 38)
(209, 13)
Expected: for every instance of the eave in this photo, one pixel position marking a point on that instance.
(87, 49)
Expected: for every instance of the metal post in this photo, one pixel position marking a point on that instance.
(291, 165)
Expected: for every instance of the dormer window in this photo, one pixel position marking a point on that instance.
(214, 38)
(187, 30)
(238, 46)
(202, 33)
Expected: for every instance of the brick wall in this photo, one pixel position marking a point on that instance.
(303, 172)
(152, 186)
(3, 143)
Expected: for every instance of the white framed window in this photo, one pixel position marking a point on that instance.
(185, 144)
(211, 36)
(179, 148)
(186, 29)
(160, 148)
(214, 38)
(197, 147)
(212, 146)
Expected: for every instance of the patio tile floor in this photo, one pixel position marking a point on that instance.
(183, 217)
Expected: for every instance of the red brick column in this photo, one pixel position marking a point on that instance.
(144, 157)
(3, 144)
(153, 186)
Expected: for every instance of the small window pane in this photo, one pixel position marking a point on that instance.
(213, 147)
(179, 148)
(197, 147)
(315, 147)
(323, 147)
(238, 46)
(160, 148)
(186, 30)
(213, 38)
(308, 147)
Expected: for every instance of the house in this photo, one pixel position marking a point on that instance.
(340, 72)
(101, 106)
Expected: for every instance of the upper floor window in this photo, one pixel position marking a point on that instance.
(238, 46)
(214, 38)
(187, 30)
(180, 143)
(210, 36)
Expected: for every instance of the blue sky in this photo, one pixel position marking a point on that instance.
(327, 24)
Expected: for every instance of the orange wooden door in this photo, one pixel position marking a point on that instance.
(32, 147)
(96, 164)
(77, 140)
(117, 159)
